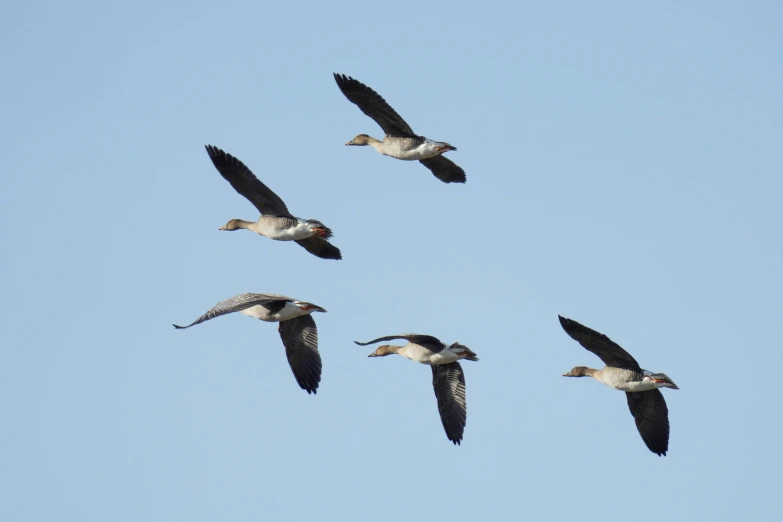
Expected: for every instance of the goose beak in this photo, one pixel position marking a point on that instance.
(222, 228)
(319, 232)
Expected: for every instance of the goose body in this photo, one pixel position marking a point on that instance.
(285, 228)
(629, 380)
(424, 355)
(408, 149)
(623, 373)
(448, 379)
(400, 141)
(296, 327)
(273, 314)
(276, 222)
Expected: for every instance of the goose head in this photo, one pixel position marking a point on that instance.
(384, 350)
(234, 224)
(361, 139)
(579, 371)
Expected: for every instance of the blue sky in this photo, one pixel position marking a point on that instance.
(624, 169)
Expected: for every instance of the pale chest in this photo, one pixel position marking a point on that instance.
(417, 353)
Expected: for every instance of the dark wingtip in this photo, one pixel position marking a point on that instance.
(341, 79)
(216, 153)
(455, 178)
(336, 255)
(178, 327)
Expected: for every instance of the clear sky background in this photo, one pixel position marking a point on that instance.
(624, 170)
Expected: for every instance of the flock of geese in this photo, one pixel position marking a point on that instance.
(298, 330)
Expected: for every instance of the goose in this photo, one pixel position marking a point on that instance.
(623, 373)
(400, 141)
(297, 329)
(276, 222)
(447, 376)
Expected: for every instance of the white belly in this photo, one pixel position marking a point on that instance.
(299, 231)
(624, 380)
(398, 149)
(417, 353)
(444, 357)
(636, 386)
(259, 312)
(289, 311)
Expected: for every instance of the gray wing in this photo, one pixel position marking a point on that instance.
(609, 352)
(300, 338)
(246, 183)
(652, 419)
(373, 105)
(236, 304)
(320, 247)
(444, 169)
(449, 383)
(428, 341)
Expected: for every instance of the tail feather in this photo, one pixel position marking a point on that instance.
(327, 230)
(462, 349)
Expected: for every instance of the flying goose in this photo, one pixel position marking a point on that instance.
(447, 377)
(400, 141)
(276, 222)
(297, 329)
(623, 373)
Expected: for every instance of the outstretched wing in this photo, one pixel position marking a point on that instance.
(428, 341)
(444, 169)
(448, 380)
(320, 247)
(246, 183)
(236, 304)
(300, 338)
(373, 105)
(652, 419)
(609, 351)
